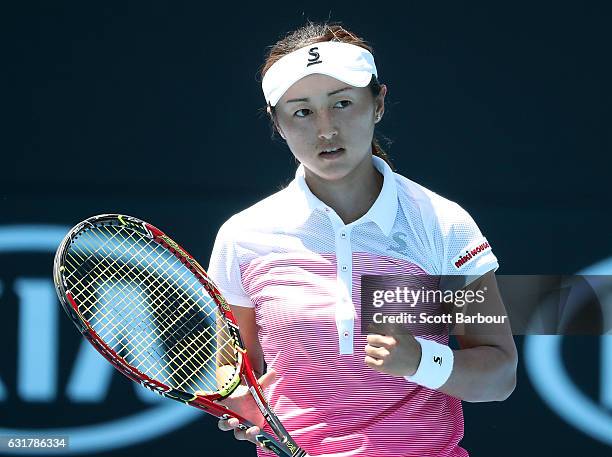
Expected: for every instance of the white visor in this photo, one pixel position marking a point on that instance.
(348, 63)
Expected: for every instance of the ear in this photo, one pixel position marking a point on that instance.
(279, 130)
(379, 103)
(275, 122)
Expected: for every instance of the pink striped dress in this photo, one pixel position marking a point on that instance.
(293, 259)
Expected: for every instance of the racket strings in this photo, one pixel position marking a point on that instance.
(100, 262)
(214, 307)
(88, 263)
(158, 373)
(155, 245)
(149, 306)
(204, 296)
(226, 361)
(120, 273)
(94, 290)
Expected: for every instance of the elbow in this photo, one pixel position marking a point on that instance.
(510, 365)
(501, 392)
(510, 378)
(509, 388)
(505, 379)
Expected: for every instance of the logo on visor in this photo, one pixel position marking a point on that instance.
(314, 56)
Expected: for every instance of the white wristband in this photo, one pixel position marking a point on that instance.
(436, 364)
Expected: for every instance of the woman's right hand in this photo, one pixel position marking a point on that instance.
(241, 402)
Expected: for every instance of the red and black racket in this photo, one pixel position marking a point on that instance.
(147, 306)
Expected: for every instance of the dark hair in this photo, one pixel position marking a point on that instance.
(316, 33)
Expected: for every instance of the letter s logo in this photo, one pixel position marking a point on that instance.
(314, 56)
(401, 247)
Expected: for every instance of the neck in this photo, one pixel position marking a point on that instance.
(352, 196)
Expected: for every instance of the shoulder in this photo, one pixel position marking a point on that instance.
(433, 209)
(450, 232)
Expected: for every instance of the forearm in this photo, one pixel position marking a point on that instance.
(481, 373)
(484, 369)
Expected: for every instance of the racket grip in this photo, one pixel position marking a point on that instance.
(264, 439)
(269, 443)
(301, 453)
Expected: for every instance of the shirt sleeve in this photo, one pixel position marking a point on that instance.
(224, 268)
(467, 254)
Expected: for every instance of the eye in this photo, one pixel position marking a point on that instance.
(301, 112)
(343, 104)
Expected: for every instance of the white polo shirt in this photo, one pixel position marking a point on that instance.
(293, 259)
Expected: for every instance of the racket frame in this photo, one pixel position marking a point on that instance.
(206, 402)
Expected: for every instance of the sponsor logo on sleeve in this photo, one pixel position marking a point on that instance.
(481, 247)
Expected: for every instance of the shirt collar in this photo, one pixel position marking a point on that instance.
(382, 212)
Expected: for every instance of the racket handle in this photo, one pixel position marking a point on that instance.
(264, 439)
(268, 442)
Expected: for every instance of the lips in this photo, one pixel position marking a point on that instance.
(330, 151)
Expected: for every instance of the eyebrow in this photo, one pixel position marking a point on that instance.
(329, 94)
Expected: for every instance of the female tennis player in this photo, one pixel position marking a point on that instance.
(291, 267)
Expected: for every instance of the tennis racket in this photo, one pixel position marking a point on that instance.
(152, 311)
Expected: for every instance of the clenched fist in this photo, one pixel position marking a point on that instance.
(397, 355)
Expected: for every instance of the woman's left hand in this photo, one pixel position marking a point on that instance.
(397, 355)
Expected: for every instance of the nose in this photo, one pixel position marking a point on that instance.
(325, 127)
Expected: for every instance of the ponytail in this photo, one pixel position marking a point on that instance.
(379, 152)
